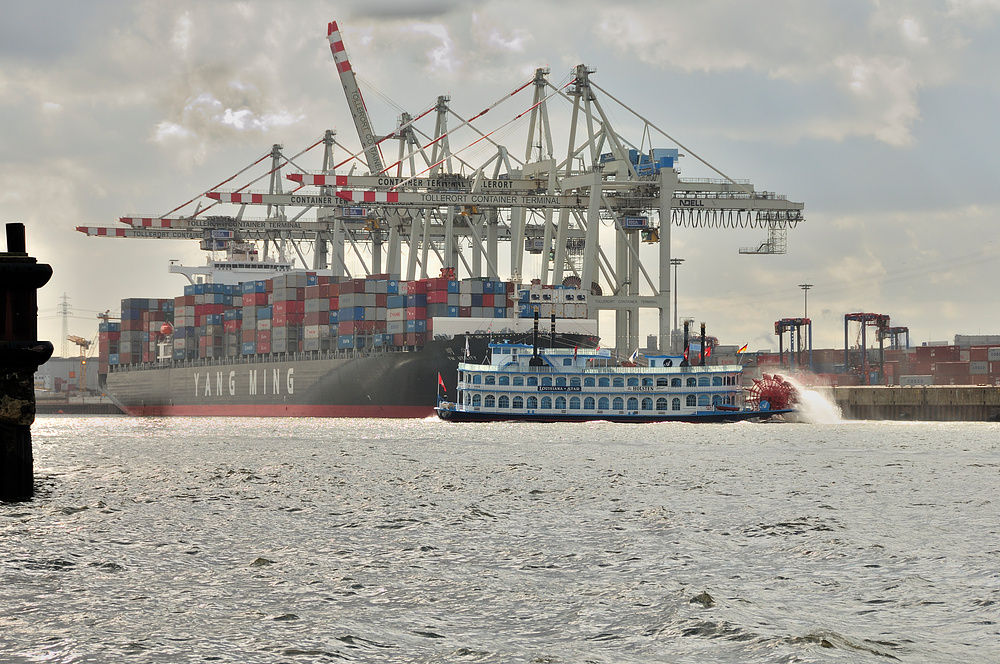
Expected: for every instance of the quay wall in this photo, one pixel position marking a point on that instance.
(933, 403)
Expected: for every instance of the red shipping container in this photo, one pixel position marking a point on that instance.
(263, 337)
(345, 327)
(416, 313)
(248, 336)
(438, 297)
(399, 340)
(255, 299)
(264, 348)
(465, 312)
(280, 306)
(488, 299)
(334, 303)
(317, 318)
(416, 287)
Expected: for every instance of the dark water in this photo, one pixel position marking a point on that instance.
(178, 540)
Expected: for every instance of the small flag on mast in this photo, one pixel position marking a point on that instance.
(742, 350)
(441, 383)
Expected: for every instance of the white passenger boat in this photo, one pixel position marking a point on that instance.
(523, 382)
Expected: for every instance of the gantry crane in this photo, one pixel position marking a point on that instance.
(881, 323)
(578, 215)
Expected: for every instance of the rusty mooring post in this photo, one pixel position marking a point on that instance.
(20, 356)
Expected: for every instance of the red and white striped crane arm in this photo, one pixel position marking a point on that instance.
(369, 141)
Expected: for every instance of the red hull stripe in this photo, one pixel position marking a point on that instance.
(248, 410)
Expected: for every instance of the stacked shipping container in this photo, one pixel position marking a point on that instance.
(302, 311)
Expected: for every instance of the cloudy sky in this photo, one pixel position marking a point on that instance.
(881, 116)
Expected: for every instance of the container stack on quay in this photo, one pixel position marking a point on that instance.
(303, 311)
(961, 363)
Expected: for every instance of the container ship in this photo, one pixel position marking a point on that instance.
(301, 344)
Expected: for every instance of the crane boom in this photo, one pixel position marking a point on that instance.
(369, 142)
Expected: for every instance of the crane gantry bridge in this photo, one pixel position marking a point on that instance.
(583, 211)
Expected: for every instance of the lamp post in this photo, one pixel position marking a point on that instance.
(675, 262)
(805, 294)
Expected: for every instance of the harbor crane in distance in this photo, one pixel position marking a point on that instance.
(84, 345)
(881, 323)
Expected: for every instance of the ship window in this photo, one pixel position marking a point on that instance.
(603, 382)
(491, 379)
(661, 381)
(675, 382)
(647, 403)
(468, 398)
(518, 402)
(546, 381)
(504, 380)
(704, 381)
(676, 404)
(633, 403)
(532, 403)
(703, 399)
(477, 379)
(561, 403)
(532, 380)
(588, 381)
(602, 403)
(717, 399)
(518, 380)
(618, 404)
(588, 403)
(560, 381)
(546, 403)
(618, 381)
(716, 380)
(490, 401)
(692, 381)
(575, 381)
(503, 401)
(661, 403)
(476, 400)
(574, 403)
(647, 382)
(692, 400)
(633, 381)
(567, 361)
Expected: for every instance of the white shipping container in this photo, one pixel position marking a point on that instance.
(993, 354)
(465, 299)
(916, 380)
(264, 324)
(395, 314)
(979, 368)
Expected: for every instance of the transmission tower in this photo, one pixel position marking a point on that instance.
(64, 311)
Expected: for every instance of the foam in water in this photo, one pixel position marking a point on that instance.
(814, 407)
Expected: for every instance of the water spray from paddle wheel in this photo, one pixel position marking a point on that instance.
(771, 392)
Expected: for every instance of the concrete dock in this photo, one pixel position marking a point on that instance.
(932, 403)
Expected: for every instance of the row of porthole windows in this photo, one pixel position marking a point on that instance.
(602, 381)
(590, 403)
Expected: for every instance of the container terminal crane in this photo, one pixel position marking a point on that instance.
(451, 197)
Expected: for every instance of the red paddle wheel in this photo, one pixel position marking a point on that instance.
(771, 392)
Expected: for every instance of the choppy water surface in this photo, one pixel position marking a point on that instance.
(172, 540)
